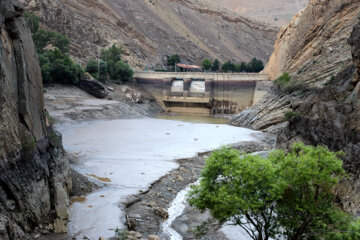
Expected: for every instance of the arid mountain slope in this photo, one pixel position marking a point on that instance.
(153, 29)
(275, 12)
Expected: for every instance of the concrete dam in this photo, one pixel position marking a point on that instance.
(204, 93)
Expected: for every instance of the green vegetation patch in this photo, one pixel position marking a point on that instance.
(285, 84)
(286, 194)
(56, 65)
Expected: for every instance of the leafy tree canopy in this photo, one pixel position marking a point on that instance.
(173, 59)
(216, 65)
(285, 194)
(206, 64)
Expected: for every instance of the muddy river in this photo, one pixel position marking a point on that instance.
(128, 155)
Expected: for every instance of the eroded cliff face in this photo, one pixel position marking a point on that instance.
(326, 114)
(34, 173)
(313, 47)
(151, 30)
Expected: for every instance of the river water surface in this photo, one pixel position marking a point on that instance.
(128, 155)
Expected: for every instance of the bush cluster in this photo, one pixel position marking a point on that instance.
(285, 84)
(111, 66)
(284, 196)
(55, 64)
(254, 66)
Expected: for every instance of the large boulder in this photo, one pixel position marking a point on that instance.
(92, 86)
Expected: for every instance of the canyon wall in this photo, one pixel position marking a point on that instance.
(313, 47)
(34, 171)
(151, 30)
(320, 49)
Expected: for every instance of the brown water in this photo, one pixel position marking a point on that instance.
(195, 118)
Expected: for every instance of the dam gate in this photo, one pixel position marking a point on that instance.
(204, 93)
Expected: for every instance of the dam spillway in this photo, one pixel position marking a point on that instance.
(204, 93)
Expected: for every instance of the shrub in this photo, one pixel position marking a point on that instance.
(228, 67)
(173, 60)
(291, 116)
(121, 234)
(285, 84)
(285, 194)
(206, 64)
(113, 66)
(255, 65)
(58, 67)
(32, 21)
(216, 65)
(122, 72)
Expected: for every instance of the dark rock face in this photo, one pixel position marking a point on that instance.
(92, 86)
(34, 180)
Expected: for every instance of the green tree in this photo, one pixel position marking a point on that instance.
(103, 76)
(33, 22)
(284, 194)
(206, 64)
(116, 69)
(122, 72)
(173, 60)
(255, 65)
(43, 38)
(228, 67)
(216, 65)
(92, 67)
(112, 54)
(58, 67)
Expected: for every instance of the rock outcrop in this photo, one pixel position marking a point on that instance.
(313, 47)
(34, 180)
(92, 86)
(149, 31)
(320, 114)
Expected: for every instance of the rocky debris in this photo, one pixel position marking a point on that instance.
(81, 184)
(69, 103)
(153, 237)
(145, 30)
(313, 48)
(92, 86)
(34, 170)
(132, 95)
(146, 211)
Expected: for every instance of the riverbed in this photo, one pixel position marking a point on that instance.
(127, 156)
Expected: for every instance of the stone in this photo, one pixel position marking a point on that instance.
(92, 86)
(153, 237)
(161, 212)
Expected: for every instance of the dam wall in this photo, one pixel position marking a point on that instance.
(204, 93)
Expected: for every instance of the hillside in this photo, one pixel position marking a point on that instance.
(149, 31)
(275, 12)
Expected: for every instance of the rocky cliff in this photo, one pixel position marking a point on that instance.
(313, 47)
(34, 180)
(325, 110)
(151, 30)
